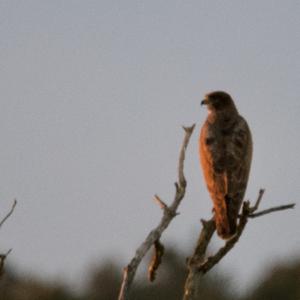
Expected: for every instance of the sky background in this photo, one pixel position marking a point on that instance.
(93, 96)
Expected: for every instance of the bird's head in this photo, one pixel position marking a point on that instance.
(219, 102)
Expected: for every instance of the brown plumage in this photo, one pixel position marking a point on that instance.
(225, 147)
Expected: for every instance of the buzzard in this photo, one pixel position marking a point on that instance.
(225, 148)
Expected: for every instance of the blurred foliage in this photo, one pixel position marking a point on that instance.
(281, 282)
(13, 287)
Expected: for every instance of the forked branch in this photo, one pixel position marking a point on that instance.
(3, 256)
(169, 212)
(198, 264)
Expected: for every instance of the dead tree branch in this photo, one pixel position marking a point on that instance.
(2, 259)
(169, 212)
(272, 209)
(3, 256)
(9, 213)
(198, 265)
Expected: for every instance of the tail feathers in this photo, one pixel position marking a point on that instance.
(226, 219)
(225, 228)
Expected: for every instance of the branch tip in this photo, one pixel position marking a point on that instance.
(9, 213)
(160, 202)
(7, 253)
(258, 200)
(272, 209)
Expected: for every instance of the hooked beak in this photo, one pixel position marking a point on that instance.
(204, 102)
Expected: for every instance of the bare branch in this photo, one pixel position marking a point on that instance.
(181, 177)
(213, 260)
(160, 202)
(2, 259)
(169, 212)
(9, 213)
(198, 265)
(205, 236)
(191, 289)
(3, 256)
(272, 209)
(258, 200)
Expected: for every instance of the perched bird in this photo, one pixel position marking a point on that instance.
(225, 147)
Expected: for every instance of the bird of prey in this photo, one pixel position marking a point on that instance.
(225, 148)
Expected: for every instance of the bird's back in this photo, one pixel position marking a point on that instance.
(225, 147)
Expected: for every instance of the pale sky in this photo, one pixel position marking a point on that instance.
(93, 96)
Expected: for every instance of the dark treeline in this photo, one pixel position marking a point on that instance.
(281, 282)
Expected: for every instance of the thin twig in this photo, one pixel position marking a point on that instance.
(258, 200)
(160, 202)
(3, 256)
(272, 209)
(169, 212)
(9, 213)
(2, 259)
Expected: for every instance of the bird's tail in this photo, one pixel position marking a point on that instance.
(226, 219)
